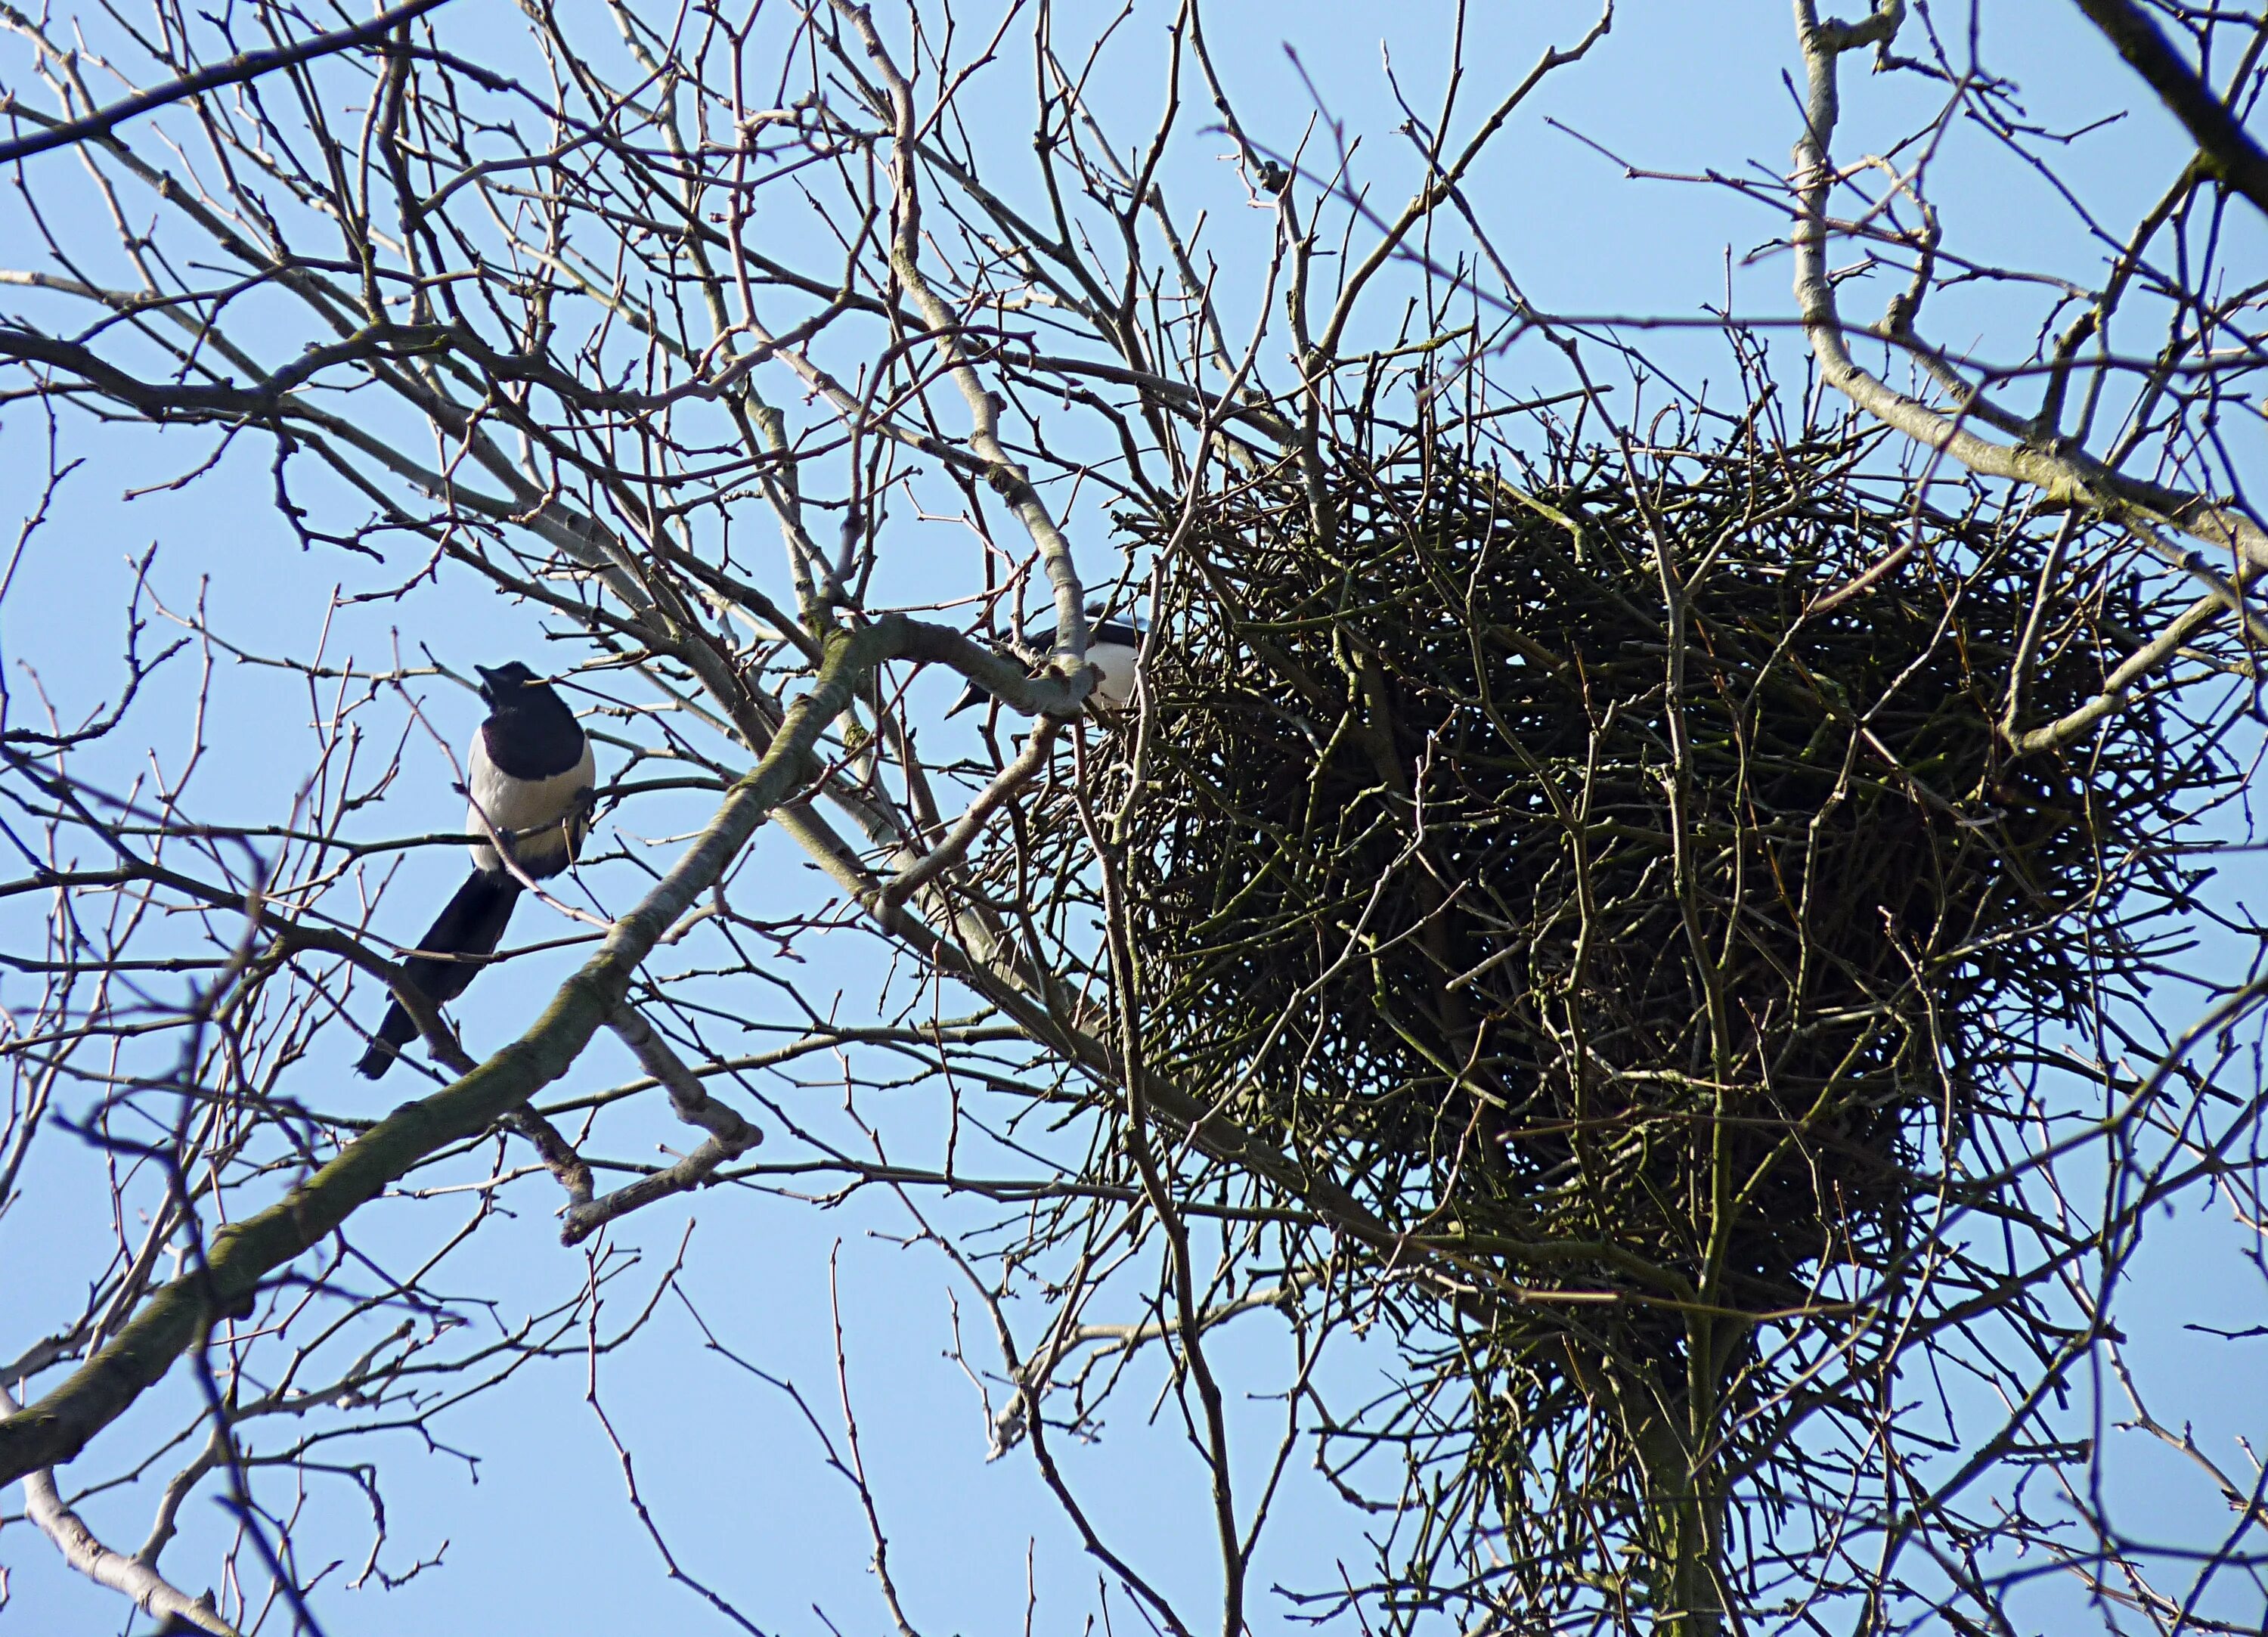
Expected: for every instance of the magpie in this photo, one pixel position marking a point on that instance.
(531, 777)
(1113, 645)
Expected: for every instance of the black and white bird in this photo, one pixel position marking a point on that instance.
(531, 778)
(1113, 646)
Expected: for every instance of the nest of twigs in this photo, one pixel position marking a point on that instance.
(1653, 926)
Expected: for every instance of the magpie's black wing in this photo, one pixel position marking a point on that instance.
(1039, 637)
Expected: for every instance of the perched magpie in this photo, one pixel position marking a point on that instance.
(531, 778)
(1112, 647)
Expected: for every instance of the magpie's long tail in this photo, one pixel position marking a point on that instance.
(470, 926)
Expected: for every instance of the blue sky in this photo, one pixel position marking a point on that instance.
(544, 1538)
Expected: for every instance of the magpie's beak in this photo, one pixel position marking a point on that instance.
(488, 682)
(970, 695)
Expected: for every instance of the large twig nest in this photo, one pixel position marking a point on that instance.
(1601, 871)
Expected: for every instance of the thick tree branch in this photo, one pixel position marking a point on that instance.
(235, 70)
(2227, 149)
(152, 1592)
(730, 1136)
(2063, 473)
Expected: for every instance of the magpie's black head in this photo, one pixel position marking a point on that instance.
(499, 684)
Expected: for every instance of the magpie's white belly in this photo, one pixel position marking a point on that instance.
(1114, 674)
(511, 804)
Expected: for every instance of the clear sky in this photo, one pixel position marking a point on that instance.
(544, 1540)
